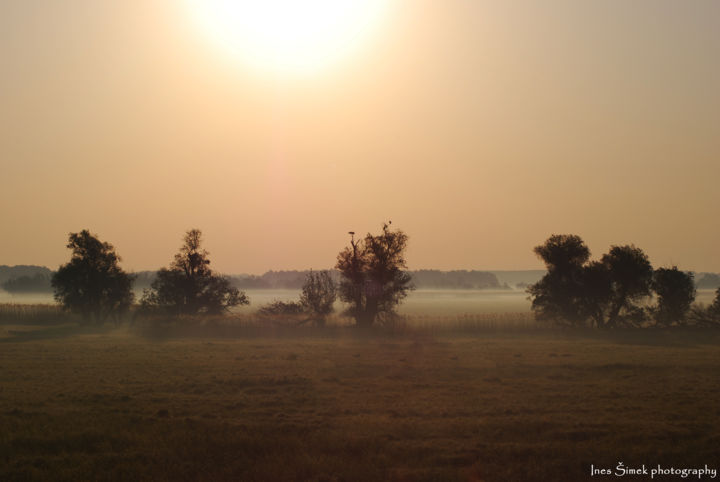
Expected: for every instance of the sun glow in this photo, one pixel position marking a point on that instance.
(292, 36)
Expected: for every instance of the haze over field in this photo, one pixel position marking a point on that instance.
(479, 128)
(359, 240)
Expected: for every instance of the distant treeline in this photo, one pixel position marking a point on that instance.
(25, 279)
(279, 280)
(13, 272)
(36, 279)
(707, 281)
(39, 283)
(458, 279)
(294, 279)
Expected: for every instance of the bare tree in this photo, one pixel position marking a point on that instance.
(318, 295)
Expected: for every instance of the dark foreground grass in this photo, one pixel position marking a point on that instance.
(116, 406)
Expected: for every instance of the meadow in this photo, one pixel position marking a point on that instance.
(427, 401)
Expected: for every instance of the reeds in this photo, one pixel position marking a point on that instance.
(236, 325)
(38, 314)
(242, 324)
(474, 322)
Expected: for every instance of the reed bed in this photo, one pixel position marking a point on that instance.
(239, 325)
(253, 325)
(474, 322)
(38, 314)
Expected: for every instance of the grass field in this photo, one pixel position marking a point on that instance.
(337, 405)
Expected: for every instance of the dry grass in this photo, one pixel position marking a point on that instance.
(346, 406)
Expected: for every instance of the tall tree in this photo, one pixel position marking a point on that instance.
(675, 290)
(558, 296)
(597, 292)
(373, 273)
(714, 308)
(92, 284)
(189, 286)
(631, 280)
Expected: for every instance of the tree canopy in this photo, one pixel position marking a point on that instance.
(577, 291)
(559, 294)
(675, 291)
(92, 284)
(189, 286)
(373, 273)
(631, 275)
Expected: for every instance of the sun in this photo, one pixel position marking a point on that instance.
(290, 36)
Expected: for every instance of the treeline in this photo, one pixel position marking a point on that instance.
(707, 281)
(373, 280)
(457, 279)
(13, 272)
(38, 283)
(621, 289)
(294, 279)
(25, 279)
(36, 279)
(280, 280)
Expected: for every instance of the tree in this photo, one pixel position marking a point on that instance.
(575, 291)
(676, 292)
(316, 301)
(558, 295)
(714, 308)
(189, 286)
(706, 315)
(631, 277)
(92, 284)
(373, 276)
(612, 286)
(318, 295)
(597, 283)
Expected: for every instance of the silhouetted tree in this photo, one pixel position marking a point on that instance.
(318, 295)
(373, 276)
(706, 315)
(92, 284)
(714, 308)
(189, 286)
(558, 296)
(604, 292)
(675, 290)
(631, 280)
(612, 286)
(596, 280)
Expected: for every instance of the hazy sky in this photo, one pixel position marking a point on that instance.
(477, 127)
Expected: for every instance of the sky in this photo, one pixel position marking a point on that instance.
(479, 128)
